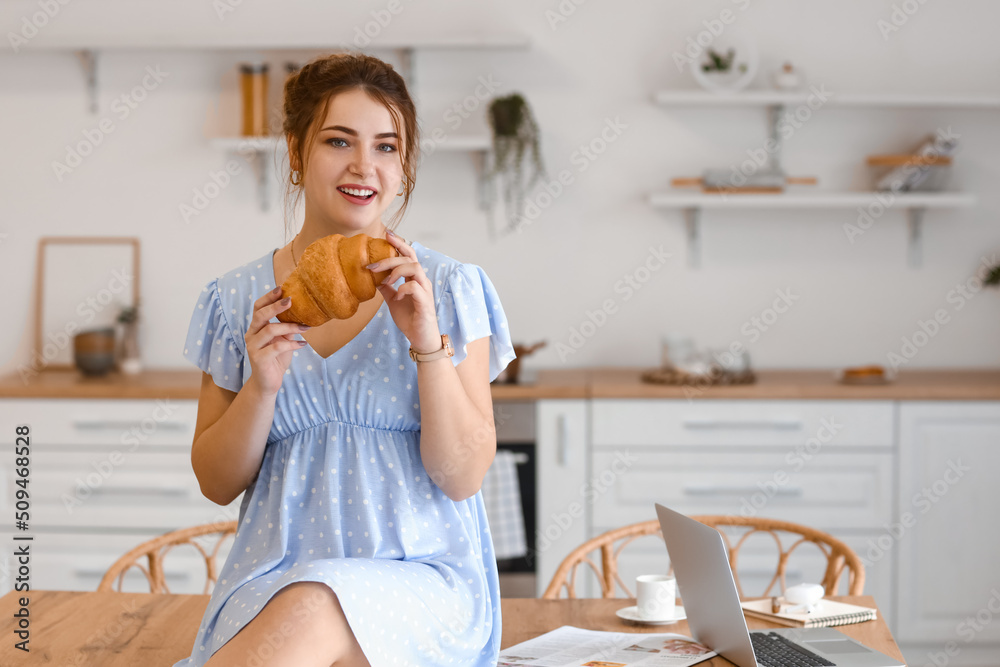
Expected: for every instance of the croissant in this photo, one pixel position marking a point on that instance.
(331, 280)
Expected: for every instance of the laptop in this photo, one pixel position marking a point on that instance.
(706, 585)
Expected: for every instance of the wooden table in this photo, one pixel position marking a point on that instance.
(129, 629)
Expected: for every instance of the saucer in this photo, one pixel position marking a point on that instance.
(632, 614)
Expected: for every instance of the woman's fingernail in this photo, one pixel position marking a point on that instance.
(276, 290)
(372, 266)
(390, 232)
(287, 300)
(304, 327)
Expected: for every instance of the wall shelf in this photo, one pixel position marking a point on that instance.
(915, 204)
(260, 150)
(777, 103)
(87, 48)
(766, 98)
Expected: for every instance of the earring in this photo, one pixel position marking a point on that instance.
(296, 177)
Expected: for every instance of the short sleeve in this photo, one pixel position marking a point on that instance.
(210, 344)
(470, 309)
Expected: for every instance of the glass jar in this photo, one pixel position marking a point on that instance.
(253, 84)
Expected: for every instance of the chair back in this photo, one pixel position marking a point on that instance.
(148, 557)
(735, 530)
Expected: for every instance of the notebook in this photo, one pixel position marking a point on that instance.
(827, 614)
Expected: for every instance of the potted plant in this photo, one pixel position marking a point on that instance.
(993, 277)
(721, 71)
(128, 317)
(515, 142)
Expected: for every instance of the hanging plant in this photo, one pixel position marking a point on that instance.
(515, 141)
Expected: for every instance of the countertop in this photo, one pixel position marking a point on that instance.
(966, 384)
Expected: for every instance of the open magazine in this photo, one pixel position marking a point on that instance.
(569, 646)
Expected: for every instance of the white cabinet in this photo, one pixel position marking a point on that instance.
(911, 486)
(562, 461)
(944, 537)
(825, 464)
(105, 476)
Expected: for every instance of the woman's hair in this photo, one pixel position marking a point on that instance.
(307, 98)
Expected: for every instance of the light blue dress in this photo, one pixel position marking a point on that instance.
(342, 496)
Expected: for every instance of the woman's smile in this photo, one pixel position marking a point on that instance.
(357, 194)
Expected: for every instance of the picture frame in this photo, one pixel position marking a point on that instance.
(82, 283)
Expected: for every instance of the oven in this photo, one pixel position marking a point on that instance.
(515, 426)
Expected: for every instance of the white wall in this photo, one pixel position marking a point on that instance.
(855, 301)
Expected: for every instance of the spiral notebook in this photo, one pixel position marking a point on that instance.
(828, 613)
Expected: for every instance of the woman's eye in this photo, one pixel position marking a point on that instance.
(383, 147)
(335, 140)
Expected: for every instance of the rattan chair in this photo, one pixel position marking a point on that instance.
(839, 556)
(156, 549)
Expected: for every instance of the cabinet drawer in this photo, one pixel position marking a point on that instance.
(80, 487)
(833, 490)
(666, 423)
(125, 423)
(77, 562)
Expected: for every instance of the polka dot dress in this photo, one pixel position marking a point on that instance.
(342, 496)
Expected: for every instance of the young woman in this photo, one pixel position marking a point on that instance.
(362, 538)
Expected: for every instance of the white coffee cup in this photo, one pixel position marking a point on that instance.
(656, 596)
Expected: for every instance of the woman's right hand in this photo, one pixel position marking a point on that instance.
(270, 344)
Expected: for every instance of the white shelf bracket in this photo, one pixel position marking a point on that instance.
(407, 67)
(774, 115)
(692, 222)
(483, 160)
(915, 222)
(88, 60)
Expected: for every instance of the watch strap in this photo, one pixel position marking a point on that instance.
(446, 351)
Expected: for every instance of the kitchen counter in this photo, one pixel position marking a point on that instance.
(604, 382)
(185, 384)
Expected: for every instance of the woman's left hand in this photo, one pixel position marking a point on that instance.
(412, 305)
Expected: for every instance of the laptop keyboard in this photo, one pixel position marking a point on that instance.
(773, 650)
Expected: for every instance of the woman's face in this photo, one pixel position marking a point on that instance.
(354, 169)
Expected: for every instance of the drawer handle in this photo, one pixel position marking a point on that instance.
(775, 424)
(142, 491)
(179, 575)
(791, 492)
(562, 450)
(122, 424)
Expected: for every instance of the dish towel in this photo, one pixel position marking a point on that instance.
(502, 498)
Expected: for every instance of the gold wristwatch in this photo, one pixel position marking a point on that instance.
(446, 351)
